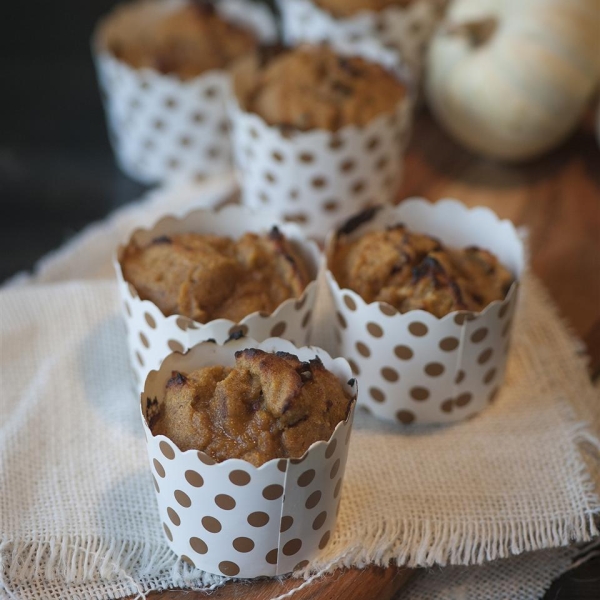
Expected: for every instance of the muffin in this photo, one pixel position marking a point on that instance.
(424, 298)
(187, 41)
(207, 277)
(312, 87)
(163, 69)
(269, 405)
(319, 134)
(247, 444)
(414, 271)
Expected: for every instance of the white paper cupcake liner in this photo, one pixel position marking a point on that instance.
(161, 127)
(234, 519)
(408, 28)
(151, 335)
(415, 367)
(318, 178)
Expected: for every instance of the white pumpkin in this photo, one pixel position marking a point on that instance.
(511, 78)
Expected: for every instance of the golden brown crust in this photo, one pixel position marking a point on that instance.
(414, 271)
(187, 41)
(349, 8)
(267, 406)
(311, 87)
(206, 277)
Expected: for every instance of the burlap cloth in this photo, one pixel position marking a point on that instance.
(77, 508)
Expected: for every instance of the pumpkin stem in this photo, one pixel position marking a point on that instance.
(478, 32)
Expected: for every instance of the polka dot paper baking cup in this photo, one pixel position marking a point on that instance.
(415, 367)
(234, 519)
(151, 335)
(161, 127)
(406, 28)
(318, 178)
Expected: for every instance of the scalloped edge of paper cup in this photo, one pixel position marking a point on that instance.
(151, 335)
(232, 518)
(317, 178)
(163, 128)
(406, 28)
(416, 367)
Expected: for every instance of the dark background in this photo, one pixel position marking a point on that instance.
(56, 168)
(57, 172)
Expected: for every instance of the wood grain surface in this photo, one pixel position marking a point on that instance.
(558, 199)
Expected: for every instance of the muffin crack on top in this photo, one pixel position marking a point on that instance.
(312, 87)
(269, 405)
(206, 277)
(414, 271)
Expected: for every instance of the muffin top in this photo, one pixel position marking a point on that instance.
(186, 41)
(414, 271)
(348, 8)
(206, 277)
(311, 87)
(267, 406)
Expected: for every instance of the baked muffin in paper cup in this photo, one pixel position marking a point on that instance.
(406, 26)
(232, 518)
(415, 367)
(151, 335)
(163, 127)
(317, 177)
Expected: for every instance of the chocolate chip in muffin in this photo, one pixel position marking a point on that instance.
(413, 271)
(177, 380)
(163, 239)
(357, 220)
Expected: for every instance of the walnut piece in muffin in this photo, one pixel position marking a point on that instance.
(349, 8)
(414, 271)
(206, 277)
(269, 405)
(311, 87)
(186, 41)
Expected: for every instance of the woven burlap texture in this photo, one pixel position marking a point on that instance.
(76, 496)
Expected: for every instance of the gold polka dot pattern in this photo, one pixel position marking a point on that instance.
(286, 523)
(433, 372)
(415, 368)
(239, 477)
(145, 122)
(229, 568)
(182, 499)
(167, 450)
(198, 545)
(225, 502)
(318, 178)
(173, 516)
(236, 520)
(243, 544)
(258, 519)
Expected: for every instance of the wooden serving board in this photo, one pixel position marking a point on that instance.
(558, 199)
